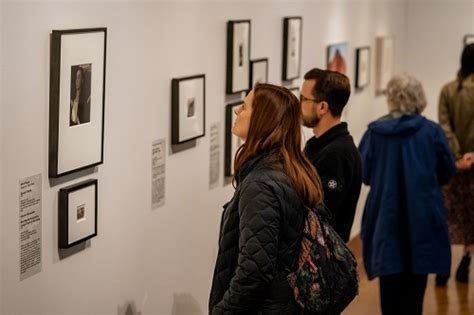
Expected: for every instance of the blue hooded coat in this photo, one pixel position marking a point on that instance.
(405, 160)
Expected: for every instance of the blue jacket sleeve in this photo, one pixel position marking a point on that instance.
(366, 157)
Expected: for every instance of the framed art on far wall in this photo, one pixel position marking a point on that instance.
(76, 100)
(362, 74)
(188, 108)
(232, 142)
(238, 56)
(336, 59)
(258, 71)
(292, 32)
(77, 213)
(384, 49)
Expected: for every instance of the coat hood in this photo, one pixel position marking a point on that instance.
(402, 126)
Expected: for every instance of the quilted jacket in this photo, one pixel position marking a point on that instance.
(259, 242)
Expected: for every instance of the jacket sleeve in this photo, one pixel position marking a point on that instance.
(258, 249)
(445, 164)
(445, 122)
(366, 157)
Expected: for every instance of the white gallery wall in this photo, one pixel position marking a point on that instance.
(1, 161)
(149, 261)
(434, 43)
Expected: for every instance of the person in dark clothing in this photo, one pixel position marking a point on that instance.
(405, 159)
(262, 225)
(332, 150)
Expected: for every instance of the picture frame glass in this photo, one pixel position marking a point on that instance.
(363, 67)
(77, 100)
(293, 48)
(240, 53)
(191, 108)
(81, 213)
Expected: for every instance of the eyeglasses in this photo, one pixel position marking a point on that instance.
(304, 99)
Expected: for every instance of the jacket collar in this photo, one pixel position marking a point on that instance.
(335, 132)
(252, 164)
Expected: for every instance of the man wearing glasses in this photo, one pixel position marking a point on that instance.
(332, 150)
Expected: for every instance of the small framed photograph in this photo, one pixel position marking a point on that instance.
(468, 39)
(188, 108)
(384, 50)
(362, 74)
(77, 213)
(238, 56)
(232, 142)
(296, 91)
(76, 100)
(292, 31)
(337, 58)
(258, 71)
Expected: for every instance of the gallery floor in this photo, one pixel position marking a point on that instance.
(455, 299)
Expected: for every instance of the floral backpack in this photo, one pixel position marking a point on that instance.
(326, 280)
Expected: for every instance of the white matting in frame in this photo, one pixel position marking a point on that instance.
(188, 108)
(292, 31)
(77, 212)
(384, 62)
(77, 99)
(362, 76)
(258, 71)
(232, 142)
(238, 56)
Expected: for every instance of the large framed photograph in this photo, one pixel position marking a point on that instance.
(362, 73)
(468, 39)
(336, 59)
(238, 56)
(258, 71)
(77, 213)
(232, 142)
(292, 32)
(188, 108)
(77, 100)
(384, 62)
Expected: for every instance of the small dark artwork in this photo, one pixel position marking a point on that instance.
(80, 109)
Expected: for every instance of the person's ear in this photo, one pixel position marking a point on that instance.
(323, 107)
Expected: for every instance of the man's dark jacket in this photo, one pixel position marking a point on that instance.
(338, 162)
(259, 242)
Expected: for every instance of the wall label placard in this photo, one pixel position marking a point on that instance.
(158, 166)
(215, 155)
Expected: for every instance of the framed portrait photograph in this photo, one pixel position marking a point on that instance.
(468, 39)
(292, 32)
(336, 59)
(77, 213)
(238, 56)
(362, 73)
(258, 71)
(76, 100)
(384, 50)
(232, 142)
(188, 108)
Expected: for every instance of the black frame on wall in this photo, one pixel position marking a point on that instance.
(286, 22)
(230, 56)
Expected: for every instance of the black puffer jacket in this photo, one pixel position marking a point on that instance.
(259, 242)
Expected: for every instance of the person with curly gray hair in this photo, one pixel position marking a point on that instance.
(405, 160)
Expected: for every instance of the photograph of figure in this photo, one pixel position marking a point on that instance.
(80, 94)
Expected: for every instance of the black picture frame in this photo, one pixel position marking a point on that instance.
(360, 84)
(468, 39)
(180, 124)
(66, 153)
(231, 141)
(64, 227)
(286, 71)
(234, 86)
(253, 64)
